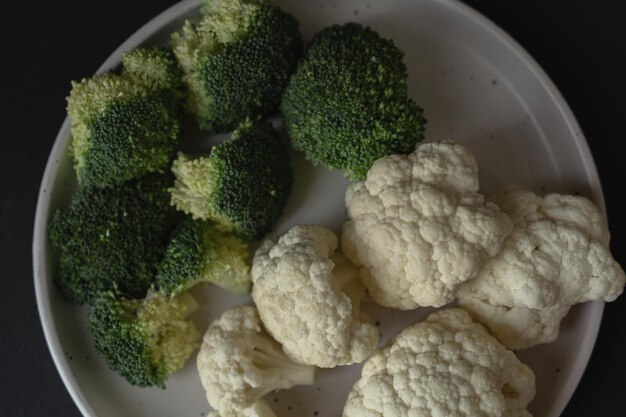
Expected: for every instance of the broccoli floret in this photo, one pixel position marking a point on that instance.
(236, 61)
(144, 340)
(112, 236)
(347, 103)
(125, 126)
(200, 252)
(243, 185)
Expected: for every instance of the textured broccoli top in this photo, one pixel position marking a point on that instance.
(309, 299)
(418, 226)
(125, 126)
(243, 184)
(199, 251)
(347, 103)
(239, 363)
(143, 340)
(445, 366)
(112, 236)
(557, 255)
(237, 60)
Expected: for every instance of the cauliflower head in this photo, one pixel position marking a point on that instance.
(557, 255)
(309, 299)
(445, 366)
(239, 363)
(418, 228)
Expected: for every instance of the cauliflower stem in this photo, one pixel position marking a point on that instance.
(345, 281)
(239, 363)
(279, 372)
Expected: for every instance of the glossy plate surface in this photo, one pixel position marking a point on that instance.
(477, 86)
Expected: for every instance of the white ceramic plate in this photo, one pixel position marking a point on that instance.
(477, 86)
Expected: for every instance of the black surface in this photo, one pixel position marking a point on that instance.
(46, 44)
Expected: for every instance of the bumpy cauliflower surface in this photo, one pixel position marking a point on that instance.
(309, 299)
(445, 366)
(239, 363)
(557, 255)
(418, 227)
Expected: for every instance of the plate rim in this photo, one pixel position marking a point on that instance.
(148, 29)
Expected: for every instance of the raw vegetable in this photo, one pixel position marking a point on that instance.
(199, 251)
(418, 227)
(556, 256)
(111, 237)
(125, 126)
(236, 60)
(347, 104)
(309, 299)
(243, 185)
(143, 340)
(239, 363)
(446, 365)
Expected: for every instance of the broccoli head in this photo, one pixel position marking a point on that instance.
(347, 103)
(112, 236)
(236, 61)
(201, 252)
(144, 340)
(243, 185)
(125, 126)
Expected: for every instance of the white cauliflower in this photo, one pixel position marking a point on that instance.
(556, 256)
(445, 366)
(418, 227)
(309, 299)
(517, 327)
(239, 363)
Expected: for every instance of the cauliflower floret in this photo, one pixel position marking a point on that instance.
(517, 327)
(556, 256)
(418, 227)
(309, 299)
(445, 366)
(239, 363)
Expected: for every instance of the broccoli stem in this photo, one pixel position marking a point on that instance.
(279, 371)
(194, 185)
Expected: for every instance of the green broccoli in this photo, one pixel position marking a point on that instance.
(144, 340)
(243, 185)
(112, 236)
(125, 126)
(200, 252)
(236, 61)
(347, 103)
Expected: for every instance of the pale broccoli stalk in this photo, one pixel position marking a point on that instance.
(144, 340)
(126, 125)
(199, 251)
(243, 184)
(236, 61)
(194, 193)
(239, 364)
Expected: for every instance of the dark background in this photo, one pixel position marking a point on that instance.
(580, 44)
